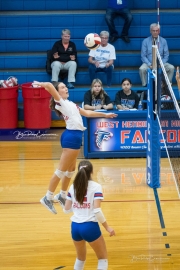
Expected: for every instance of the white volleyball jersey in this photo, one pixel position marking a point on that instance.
(103, 54)
(84, 212)
(71, 114)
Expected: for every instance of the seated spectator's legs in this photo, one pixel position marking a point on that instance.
(71, 67)
(56, 67)
(143, 73)
(92, 72)
(109, 17)
(126, 14)
(170, 71)
(108, 72)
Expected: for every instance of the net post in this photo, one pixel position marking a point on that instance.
(153, 142)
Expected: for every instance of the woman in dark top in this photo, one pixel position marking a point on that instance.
(126, 98)
(97, 98)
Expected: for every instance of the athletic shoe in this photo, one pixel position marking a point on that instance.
(125, 39)
(48, 204)
(113, 39)
(70, 85)
(60, 199)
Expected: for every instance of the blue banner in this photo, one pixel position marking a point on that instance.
(126, 135)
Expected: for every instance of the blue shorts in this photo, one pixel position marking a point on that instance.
(71, 139)
(88, 231)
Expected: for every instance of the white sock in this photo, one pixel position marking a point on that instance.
(63, 194)
(79, 265)
(49, 195)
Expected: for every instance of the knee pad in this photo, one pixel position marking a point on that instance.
(102, 264)
(79, 265)
(69, 174)
(59, 173)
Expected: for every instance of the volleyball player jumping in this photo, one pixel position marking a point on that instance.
(84, 200)
(71, 140)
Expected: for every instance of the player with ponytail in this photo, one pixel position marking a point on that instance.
(84, 200)
(71, 140)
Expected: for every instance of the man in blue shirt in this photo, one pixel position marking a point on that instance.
(146, 54)
(118, 8)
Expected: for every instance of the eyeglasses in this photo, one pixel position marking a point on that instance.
(104, 37)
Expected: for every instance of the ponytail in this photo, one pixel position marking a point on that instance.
(83, 175)
(52, 103)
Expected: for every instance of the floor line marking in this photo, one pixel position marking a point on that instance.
(161, 219)
(120, 201)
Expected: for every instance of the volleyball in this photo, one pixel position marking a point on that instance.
(6, 83)
(10, 82)
(92, 41)
(13, 80)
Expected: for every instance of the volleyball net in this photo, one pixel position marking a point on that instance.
(163, 123)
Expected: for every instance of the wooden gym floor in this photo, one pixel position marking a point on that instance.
(147, 234)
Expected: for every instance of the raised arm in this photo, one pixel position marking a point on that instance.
(50, 88)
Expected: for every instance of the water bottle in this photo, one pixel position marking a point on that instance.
(93, 102)
(140, 107)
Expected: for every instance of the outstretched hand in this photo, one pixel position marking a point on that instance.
(111, 115)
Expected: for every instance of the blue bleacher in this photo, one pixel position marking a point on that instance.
(49, 26)
(37, 61)
(26, 36)
(12, 5)
(41, 45)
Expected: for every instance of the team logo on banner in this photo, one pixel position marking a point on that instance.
(102, 136)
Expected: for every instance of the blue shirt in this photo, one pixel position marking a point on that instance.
(114, 4)
(146, 50)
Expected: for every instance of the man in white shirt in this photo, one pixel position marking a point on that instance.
(102, 59)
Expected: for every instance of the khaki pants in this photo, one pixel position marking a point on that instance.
(57, 66)
(143, 72)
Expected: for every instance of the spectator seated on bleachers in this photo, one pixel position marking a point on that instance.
(64, 57)
(102, 59)
(96, 98)
(146, 54)
(63, 72)
(126, 98)
(118, 8)
(166, 100)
